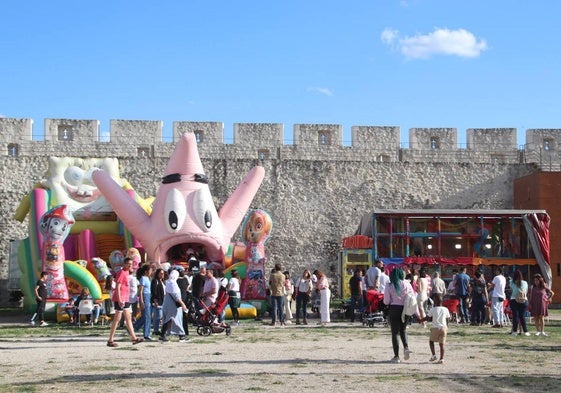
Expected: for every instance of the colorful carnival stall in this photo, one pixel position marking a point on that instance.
(446, 239)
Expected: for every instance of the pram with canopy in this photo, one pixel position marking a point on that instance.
(373, 314)
(205, 318)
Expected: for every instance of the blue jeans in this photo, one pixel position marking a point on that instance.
(157, 315)
(518, 315)
(464, 308)
(356, 303)
(302, 300)
(145, 319)
(278, 308)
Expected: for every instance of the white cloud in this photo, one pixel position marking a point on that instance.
(1, 115)
(322, 90)
(388, 36)
(458, 42)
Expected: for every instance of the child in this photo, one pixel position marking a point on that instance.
(440, 317)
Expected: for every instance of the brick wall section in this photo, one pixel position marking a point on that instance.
(541, 191)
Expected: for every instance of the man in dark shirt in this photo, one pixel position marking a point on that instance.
(183, 284)
(41, 298)
(199, 282)
(355, 284)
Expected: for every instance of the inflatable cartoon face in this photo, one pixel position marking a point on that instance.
(55, 224)
(183, 211)
(134, 254)
(70, 182)
(257, 227)
(101, 269)
(116, 258)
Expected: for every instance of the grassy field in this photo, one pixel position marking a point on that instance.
(342, 357)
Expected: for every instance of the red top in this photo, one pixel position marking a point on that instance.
(121, 285)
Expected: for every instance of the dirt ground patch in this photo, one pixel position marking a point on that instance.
(342, 357)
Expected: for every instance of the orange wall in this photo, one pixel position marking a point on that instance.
(542, 191)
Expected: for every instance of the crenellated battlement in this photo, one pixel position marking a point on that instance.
(129, 138)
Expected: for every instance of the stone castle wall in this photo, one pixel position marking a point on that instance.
(316, 190)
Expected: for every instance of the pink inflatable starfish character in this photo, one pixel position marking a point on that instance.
(183, 215)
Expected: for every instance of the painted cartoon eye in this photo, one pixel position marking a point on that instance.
(204, 210)
(73, 175)
(88, 176)
(175, 211)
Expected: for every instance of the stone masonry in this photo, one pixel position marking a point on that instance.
(316, 190)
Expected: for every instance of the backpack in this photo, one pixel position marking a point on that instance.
(409, 306)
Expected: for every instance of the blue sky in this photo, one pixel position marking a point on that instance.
(410, 63)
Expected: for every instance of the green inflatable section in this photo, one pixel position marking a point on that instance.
(83, 277)
(240, 267)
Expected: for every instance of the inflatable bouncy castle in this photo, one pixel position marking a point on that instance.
(69, 221)
(183, 214)
(109, 216)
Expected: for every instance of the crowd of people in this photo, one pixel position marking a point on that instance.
(163, 298)
(471, 300)
(311, 289)
(153, 302)
(160, 299)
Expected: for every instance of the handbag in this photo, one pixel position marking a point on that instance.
(520, 297)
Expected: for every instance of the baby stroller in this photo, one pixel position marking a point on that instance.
(374, 311)
(205, 318)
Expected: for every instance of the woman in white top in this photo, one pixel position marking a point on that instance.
(519, 303)
(288, 292)
(234, 296)
(422, 295)
(322, 285)
(303, 290)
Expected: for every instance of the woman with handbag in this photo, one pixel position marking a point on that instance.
(395, 296)
(519, 303)
(303, 290)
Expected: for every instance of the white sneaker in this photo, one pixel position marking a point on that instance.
(407, 354)
(526, 333)
(395, 360)
(538, 333)
(514, 334)
(32, 323)
(433, 358)
(43, 324)
(543, 334)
